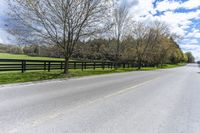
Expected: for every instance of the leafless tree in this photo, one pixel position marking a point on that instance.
(120, 23)
(57, 22)
(139, 33)
(148, 41)
(158, 42)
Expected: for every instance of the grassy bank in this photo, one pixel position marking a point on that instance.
(18, 77)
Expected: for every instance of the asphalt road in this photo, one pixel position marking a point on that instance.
(163, 101)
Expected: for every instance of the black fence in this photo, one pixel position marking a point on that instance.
(48, 65)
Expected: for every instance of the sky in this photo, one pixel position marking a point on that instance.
(183, 17)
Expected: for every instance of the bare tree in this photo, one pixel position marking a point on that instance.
(57, 22)
(139, 33)
(120, 23)
(149, 42)
(158, 42)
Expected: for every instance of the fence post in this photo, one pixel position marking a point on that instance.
(120, 65)
(61, 65)
(45, 64)
(49, 66)
(74, 65)
(94, 65)
(23, 66)
(85, 65)
(82, 66)
(103, 65)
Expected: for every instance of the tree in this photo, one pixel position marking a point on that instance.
(158, 43)
(139, 32)
(120, 21)
(191, 58)
(57, 22)
(148, 42)
(185, 58)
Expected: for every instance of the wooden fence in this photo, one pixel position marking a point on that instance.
(48, 65)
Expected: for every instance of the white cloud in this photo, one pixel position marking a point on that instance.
(172, 5)
(194, 41)
(5, 38)
(3, 6)
(195, 49)
(1, 41)
(142, 8)
(194, 34)
(167, 5)
(190, 4)
(179, 21)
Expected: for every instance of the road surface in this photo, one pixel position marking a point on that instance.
(163, 101)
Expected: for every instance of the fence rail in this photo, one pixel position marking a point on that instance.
(48, 65)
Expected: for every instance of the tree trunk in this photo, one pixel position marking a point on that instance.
(139, 65)
(117, 52)
(161, 64)
(66, 67)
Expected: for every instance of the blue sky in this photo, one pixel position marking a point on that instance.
(183, 16)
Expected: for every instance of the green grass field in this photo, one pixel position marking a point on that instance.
(25, 57)
(18, 77)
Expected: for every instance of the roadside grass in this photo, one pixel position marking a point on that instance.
(166, 66)
(18, 77)
(25, 57)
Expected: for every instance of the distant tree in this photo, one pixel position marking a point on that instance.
(13, 49)
(191, 58)
(185, 58)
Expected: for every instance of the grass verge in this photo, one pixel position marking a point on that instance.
(18, 77)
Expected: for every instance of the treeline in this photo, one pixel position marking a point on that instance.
(143, 45)
(166, 52)
(13, 49)
(190, 57)
(131, 50)
(32, 50)
(145, 55)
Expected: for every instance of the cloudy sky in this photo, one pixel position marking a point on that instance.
(183, 16)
